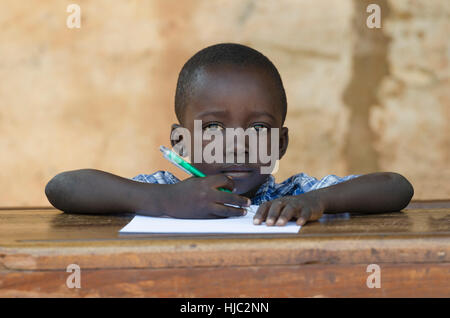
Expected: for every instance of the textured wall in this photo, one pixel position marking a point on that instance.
(360, 99)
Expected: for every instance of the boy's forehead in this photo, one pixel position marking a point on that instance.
(234, 89)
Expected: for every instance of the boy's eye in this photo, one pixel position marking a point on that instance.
(259, 127)
(212, 126)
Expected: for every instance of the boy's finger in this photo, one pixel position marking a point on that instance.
(274, 212)
(227, 211)
(286, 214)
(220, 181)
(231, 198)
(305, 215)
(261, 213)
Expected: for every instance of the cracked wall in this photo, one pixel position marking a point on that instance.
(360, 100)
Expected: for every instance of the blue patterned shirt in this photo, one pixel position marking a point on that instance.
(269, 190)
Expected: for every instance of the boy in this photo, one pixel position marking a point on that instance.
(229, 86)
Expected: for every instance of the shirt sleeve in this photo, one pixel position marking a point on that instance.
(329, 181)
(159, 177)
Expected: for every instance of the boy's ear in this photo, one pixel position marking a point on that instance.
(284, 140)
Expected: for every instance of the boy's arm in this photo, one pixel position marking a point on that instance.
(375, 192)
(95, 191)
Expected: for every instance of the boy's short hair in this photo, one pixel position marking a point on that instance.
(219, 54)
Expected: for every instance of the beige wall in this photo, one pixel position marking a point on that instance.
(360, 99)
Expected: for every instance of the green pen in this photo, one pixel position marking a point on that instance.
(183, 165)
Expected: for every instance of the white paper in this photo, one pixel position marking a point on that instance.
(232, 225)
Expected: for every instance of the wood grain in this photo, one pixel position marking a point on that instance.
(407, 280)
(326, 259)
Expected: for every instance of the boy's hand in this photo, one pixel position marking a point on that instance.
(199, 198)
(305, 207)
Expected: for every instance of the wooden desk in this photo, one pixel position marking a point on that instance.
(326, 259)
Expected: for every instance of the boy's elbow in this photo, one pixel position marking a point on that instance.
(51, 190)
(404, 188)
(56, 190)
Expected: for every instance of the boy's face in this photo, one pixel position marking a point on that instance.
(228, 96)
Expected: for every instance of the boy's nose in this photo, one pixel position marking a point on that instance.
(237, 149)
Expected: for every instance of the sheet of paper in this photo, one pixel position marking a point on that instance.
(232, 225)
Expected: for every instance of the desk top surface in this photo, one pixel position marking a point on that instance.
(39, 227)
(407, 236)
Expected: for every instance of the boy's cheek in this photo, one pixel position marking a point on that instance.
(266, 149)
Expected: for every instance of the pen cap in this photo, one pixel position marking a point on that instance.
(183, 165)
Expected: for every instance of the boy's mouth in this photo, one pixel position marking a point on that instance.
(237, 171)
